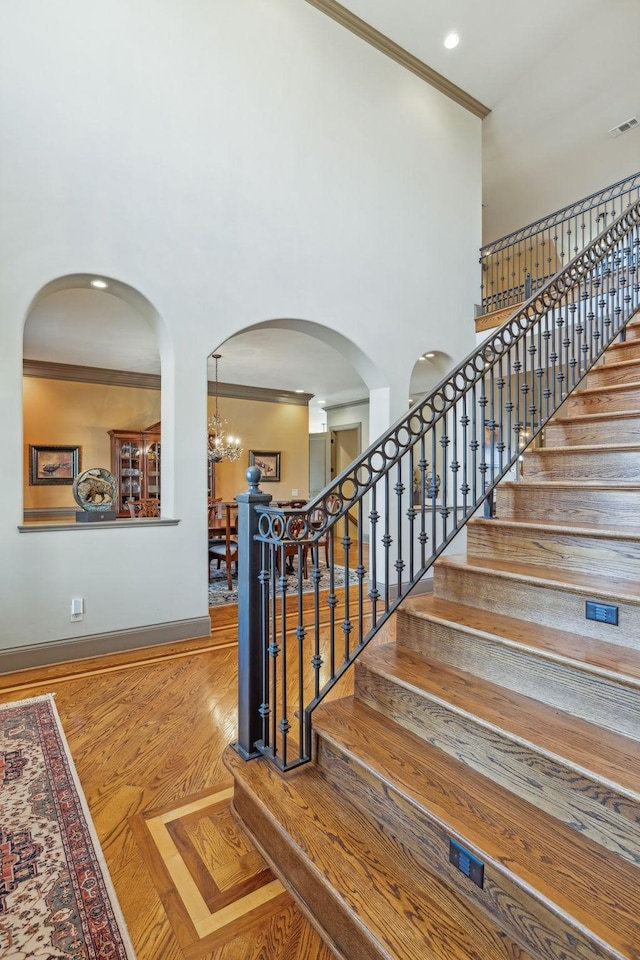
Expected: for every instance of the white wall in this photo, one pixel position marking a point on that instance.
(233, 162)
(546, 142)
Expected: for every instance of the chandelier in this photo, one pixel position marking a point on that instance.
(221, 446)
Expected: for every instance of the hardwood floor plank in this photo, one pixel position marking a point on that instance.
(147, 730)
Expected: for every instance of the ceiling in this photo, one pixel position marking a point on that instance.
(510, 58)
(499, 40)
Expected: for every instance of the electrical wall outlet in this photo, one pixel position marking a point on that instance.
(77, 609)
(294, 493)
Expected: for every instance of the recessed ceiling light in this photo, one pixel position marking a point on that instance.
(99, 284)
(451, 40)
(321, 401)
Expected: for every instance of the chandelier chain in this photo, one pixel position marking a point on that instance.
(221, 446)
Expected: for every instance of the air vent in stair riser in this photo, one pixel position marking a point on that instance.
(602, 612)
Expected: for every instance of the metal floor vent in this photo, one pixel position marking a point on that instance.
(623, 127)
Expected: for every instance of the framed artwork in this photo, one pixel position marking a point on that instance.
(269, 463)
(53, 464)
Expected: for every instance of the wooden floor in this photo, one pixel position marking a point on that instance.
(147, 731)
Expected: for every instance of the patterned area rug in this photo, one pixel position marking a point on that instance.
(220, 594)
(56, 898)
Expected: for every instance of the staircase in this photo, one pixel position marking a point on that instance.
(478, 798)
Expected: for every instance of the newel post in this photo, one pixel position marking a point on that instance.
(250, 654)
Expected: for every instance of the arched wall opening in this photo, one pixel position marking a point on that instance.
(92, 371)
(302, 367)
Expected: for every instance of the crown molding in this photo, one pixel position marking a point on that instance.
(79, 374)
(152, 381)
(364, 402)
(240, 391)
(382, 43)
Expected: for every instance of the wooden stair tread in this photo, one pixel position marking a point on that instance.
(610, 388)
(584, 448)
(608, 532)
(606, 659)
(614, 759)
(627, 486)
(615, 365)
(592, 586)
(396, 902)
(506, 832)
(596, 417)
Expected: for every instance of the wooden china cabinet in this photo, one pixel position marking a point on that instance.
(135, 463)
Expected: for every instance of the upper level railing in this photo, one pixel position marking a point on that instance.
(518, 265)
(410, 493)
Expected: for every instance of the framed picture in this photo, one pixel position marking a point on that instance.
(268, 461)
(53, 464)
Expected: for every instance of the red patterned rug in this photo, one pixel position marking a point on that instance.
(56, 897)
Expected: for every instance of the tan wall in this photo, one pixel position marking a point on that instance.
(58, 412)
(61, 413)
(279, 427)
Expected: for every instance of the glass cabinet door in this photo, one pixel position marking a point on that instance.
(153, 468)
(127, 468)
(135, 463)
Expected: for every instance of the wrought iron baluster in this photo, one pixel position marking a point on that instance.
(274, 651)
(285, 725)
(465, 488)
(360, 569)
(374, 519)
(411, 511)
(387, 540)
(399, 512)
(317, 659)
(432, 493)
(346, 622)
(332, 603)
(455, 465)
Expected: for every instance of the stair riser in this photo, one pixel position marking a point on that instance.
(549, 549)
(551, 464)
(333, 920)
(633, 331)
(517, 910)
(624, 351)
(618, 401)
(548, 606)
(609, 374)
(594, 698)
(530, 503)
(577, 432)
(596, 810)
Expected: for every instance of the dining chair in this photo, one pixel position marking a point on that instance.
(147, 507)
(214, 511)
(318, 517)
(226, 548)
(291, 546)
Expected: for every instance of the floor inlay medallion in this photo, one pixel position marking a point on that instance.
(213, 884)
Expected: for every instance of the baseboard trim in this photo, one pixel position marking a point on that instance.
(422, 586)
(101, 644)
